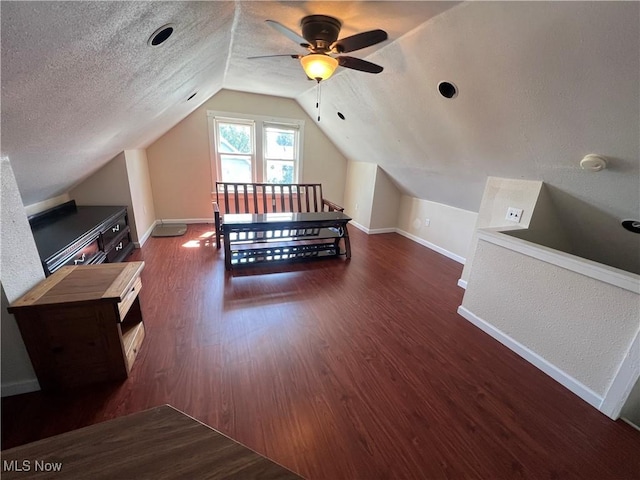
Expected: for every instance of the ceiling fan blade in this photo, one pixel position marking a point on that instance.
(288, 33)
(292, 55)
(358, 41)
(359, 64)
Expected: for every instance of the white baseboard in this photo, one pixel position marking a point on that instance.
(432, 246)
(462, 283)
(629, 422)
(146, 235)
(359, 227)
(372, 231)
(18, 388)
(416, 239)
(376, 231)
(623, 382)
(566, 380)
(184, 220)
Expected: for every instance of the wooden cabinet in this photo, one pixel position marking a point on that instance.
(85, 235)
(83, 324)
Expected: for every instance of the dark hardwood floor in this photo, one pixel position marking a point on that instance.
(337, 370)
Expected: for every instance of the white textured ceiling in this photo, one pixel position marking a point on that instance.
(80, 84)
(541, 85)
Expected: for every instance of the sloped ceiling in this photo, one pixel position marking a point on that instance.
(541, 84)
(80, 84)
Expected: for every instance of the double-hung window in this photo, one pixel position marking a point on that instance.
(254, 149)
(235, 142)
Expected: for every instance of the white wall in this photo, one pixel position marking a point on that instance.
(631, 410)
(450, 228)
(108, 186)
(46, 204)
(580, 326)
(386, 203)
(499, 195)
(541, 84)
(358, 193)
(20, 270)
(143, 214)
(371, 198)
(546, 226)
(123, 181)
(180, 162)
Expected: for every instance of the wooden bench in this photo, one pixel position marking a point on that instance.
(257, 198)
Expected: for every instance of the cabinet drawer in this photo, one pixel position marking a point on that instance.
(125, 304)
(132, 336)
(113, 231)
(118, 248)
(85, 255)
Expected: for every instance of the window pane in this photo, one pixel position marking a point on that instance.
(279, 143)
(234, 138)
(279, 172)
(236, 168)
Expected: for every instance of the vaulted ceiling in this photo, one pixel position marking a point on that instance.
(541, 84)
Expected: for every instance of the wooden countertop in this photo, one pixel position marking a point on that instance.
(109, 281)
(161, 443)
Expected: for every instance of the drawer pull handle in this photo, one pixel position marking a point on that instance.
(119, 246)
(116, 228)
(79, 260)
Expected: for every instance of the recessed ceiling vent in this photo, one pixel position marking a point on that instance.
(632, 225)
(160, 36)
(448, 90)
(192, 95)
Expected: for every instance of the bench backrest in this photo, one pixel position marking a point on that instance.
(268, 197)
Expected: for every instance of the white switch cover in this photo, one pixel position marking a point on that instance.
(514, 214)
(427, 222)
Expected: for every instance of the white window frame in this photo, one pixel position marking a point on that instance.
(259, 123)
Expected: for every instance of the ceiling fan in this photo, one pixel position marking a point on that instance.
(320, 37)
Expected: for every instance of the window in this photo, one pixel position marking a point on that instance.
(234, 144)
(253, 149)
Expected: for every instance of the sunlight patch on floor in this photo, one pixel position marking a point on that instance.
(203, 240)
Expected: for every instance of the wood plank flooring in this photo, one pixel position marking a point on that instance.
(341, 370)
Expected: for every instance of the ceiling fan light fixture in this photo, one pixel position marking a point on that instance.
(318, 66)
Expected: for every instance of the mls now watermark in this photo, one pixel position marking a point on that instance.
(30, 466)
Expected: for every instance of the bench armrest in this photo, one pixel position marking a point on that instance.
(332, 207)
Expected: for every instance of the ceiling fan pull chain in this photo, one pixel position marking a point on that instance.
(318, 99)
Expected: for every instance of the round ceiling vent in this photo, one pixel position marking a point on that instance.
(161, 35)
(448, 89)
(632, 225)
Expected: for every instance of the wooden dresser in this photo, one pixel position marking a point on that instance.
(83, 324)
(85, 235)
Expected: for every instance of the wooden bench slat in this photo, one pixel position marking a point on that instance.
(255, 197)
(291, 198)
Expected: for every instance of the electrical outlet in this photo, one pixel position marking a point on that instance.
(427, 222)
(514, 214)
